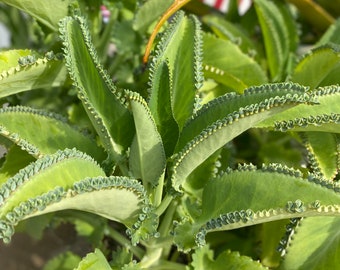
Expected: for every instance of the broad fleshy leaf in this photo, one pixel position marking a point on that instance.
(319, 239)
(79, 184)
(224, 129)
(248, 196)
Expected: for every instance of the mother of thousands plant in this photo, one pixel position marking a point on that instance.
(165, 160)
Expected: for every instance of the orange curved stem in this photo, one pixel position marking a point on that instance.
(176, 5)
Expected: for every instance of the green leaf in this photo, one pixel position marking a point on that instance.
(24, 72)
(149, 12)
(44, 11)
(323, 153)
(323, 117)
(160, 106)
(249, 196)
(237, 72)
(332, 35)
(16, 159)
(256, 96)
(94, 261)
(39, 132)
(64, 167)
(64, 261)
(233, 32)
(203, 258)
(180, 46)
(79, 184)
(10, 58)
(319, 239)
(147, 156)
(314, 67)
(279, 34)
(103, 102)
(224, 129)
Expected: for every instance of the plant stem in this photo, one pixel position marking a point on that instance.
(137, 251)
(164, 205)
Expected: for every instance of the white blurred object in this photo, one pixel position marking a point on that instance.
(223, 5)
(5, 37)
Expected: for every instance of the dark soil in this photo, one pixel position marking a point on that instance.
(26, 253)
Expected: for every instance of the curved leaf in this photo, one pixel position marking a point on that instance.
(249, 196)
(324, 117)
(30, 72)
(225, 129)
(256, 96)
(71, 180)
(40, 132)
(332, 35)
(102, 101)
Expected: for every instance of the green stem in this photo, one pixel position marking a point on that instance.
(164, 205)
(159, 191)
(137, 251)
(166, 265)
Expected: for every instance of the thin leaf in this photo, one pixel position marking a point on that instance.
(161, 107)
(32, 73)
(324, 117)
(147, 156)
(102, 101)
(231, 71)
(278, 34)
(180, 46)
(40, 132)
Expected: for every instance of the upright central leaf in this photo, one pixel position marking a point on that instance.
(181, 48)
(101, 99)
